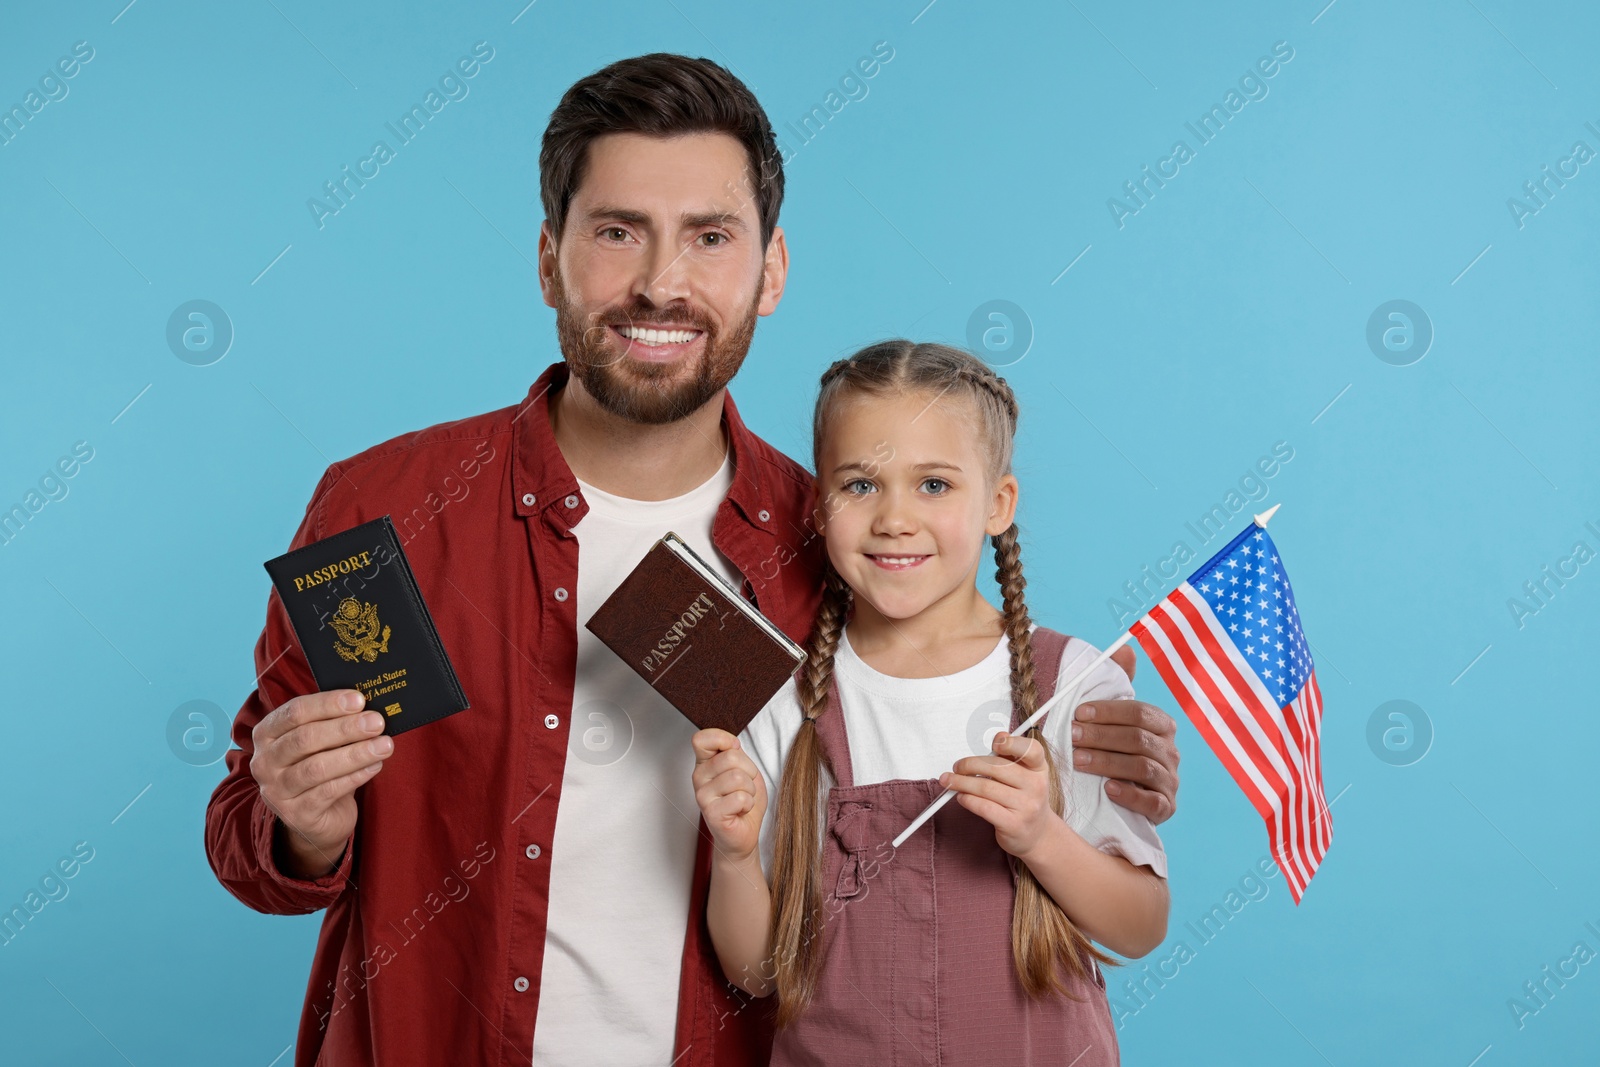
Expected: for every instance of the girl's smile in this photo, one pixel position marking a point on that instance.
(896, 563)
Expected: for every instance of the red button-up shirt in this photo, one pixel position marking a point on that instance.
(432, 947)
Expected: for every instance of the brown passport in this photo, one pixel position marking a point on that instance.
(697, 642)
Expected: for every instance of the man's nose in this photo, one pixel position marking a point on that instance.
(664, 274)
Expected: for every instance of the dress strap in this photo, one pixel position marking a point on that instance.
(1048, 647)
(835, 742)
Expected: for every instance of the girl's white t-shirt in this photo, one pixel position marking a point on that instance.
(918, 727)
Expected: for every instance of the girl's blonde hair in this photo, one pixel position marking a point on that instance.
(1042, 936)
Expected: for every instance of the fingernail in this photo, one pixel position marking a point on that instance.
(945, 777)
(372, 722)
(1080, 759)
(1114, 789)
(1001, 738)
(1077, 732)
(1086, 712)
(350, 700)
(381, 746)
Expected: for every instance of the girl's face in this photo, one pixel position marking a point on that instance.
(904, 492)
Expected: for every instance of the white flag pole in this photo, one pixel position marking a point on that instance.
(1067, 688)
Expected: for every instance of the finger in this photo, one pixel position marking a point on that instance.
(709, 742)
(322, 735)
(1129, 740)
(331, 792)
(1026, 751)
(316, 771)
(1127, 659)
(727, 760)
(1157, 807)
(1142, 771)
(987, 810)
(1128, 713)
(1000, 793)
(999, 768)
(733, 780)
(308, 708)
(731, 806)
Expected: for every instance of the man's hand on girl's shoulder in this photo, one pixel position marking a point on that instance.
(1131, 744)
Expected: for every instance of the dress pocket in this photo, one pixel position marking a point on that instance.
(849, 832)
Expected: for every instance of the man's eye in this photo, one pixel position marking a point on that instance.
(714, 240)
(615, 233)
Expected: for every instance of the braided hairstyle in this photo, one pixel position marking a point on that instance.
(1048, 950)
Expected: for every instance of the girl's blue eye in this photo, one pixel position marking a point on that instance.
(850, 486)
(939, 483)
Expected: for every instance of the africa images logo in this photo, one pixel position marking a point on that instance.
(356, 626)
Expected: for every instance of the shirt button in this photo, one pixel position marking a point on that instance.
(521, 984)
(533, 852)
(571, 501)
(561, 593)
(551, 722)
(763, 514)
(528, 499)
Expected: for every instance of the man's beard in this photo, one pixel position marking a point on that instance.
(641, 391)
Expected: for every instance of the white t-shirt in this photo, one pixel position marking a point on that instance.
(918, 727)
(622, 858)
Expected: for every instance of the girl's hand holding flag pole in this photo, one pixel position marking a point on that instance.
(1228, 643)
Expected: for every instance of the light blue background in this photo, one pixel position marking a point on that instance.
(1224, 317)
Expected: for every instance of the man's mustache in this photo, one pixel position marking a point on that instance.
(686, 318)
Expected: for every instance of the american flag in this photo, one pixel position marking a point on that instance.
(1228, 644)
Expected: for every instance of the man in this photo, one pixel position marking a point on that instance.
(528, 878)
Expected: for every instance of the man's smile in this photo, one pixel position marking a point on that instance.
(657, 343)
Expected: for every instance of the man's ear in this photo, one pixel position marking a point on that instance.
(1004, 511)
(774, 272)
(547, 263)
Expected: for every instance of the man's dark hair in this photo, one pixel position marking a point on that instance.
(661, 95)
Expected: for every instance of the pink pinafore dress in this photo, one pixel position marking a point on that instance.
(916, 942)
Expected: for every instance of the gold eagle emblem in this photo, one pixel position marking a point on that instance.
(356, 625)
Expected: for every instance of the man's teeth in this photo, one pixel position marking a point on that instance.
(657, 337)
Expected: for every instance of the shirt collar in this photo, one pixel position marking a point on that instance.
(540, 476)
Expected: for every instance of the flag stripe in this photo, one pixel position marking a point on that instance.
(1311, 697)
(1192, 694)
(1303, 797)
(1261, 719)
(1247, 769)
(1243, 769)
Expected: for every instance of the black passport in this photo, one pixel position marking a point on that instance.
(361, 622)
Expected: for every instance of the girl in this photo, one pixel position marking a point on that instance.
(972, 940)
